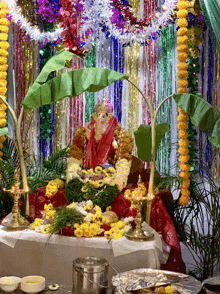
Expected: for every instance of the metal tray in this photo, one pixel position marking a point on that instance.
(183, 283)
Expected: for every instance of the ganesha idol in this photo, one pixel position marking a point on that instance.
(101, 146)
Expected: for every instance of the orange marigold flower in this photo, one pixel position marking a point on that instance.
(182, 74)
(182, 31)
(182, 23)
(184, 158)
(183, 134)
(182, 5)
(183, 151)
(185, 167)
(181, 40)
(185, 192)
(182, 117)
(182, 83)
(182, 125)
(182, 56)
(182, 13)
(182, 65)
(182, 90)
(185, 175)
(184, 200)
(183, 143)
(186, 183)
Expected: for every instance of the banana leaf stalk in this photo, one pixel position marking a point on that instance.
(153, 115)
(17, 124)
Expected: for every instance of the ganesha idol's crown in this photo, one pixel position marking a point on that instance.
(104, 106)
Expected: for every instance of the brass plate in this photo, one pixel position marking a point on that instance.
(131, 237)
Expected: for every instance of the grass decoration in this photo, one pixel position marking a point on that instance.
(65, 217)
(106, 194)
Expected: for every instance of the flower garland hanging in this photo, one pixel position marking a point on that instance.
(4, 24)
(34, 33)
(102, 17)
(70, 20)
(182, 83)
(48, 11)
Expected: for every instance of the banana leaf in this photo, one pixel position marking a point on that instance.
(56, 62)
(144, 142)
(202, 115)
(70, 84)
(3, 131)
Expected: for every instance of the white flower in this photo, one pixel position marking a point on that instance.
(107, 180)
(129, 219)
(39, 228)
(81, 210)
(90, 203)
(88, 217)
(127, 228)
(100, 231)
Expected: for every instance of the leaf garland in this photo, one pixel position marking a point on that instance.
(65, 216)
(104, 198)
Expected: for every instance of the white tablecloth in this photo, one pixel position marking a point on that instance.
(29, 253)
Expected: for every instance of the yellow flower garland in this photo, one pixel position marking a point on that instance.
(182, 83)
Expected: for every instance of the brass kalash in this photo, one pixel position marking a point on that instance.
(138, 200)
(16, 224)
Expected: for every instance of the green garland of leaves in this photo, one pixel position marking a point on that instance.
(65, 217)
(193, 70)
(106, 196)
(45, 113)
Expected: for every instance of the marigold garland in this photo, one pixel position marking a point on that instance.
(182, 83)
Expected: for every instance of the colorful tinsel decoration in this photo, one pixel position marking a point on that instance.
(183, 83)
(4, 24)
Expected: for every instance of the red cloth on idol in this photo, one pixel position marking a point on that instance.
(98, 153)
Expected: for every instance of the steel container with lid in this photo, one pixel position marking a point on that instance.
(89, 273)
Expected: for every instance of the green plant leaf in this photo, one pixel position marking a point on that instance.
(202, 115)
(144, 142)
(3, 131)
(56, 62)
(70, 84)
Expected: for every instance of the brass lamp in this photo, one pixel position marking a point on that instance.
(138, 234)
(16, 224)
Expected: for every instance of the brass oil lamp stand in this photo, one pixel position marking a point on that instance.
(16, 224)
(138, 234)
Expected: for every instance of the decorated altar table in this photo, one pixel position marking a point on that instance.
(30, 253)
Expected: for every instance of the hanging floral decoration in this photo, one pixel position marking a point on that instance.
(117, 20)
(71, 22)
(183, 83)
(32, 31)
(49, 11)
(4, 45)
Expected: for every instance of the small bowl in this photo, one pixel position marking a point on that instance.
(212, 285)
(9, 284)
(33, 284)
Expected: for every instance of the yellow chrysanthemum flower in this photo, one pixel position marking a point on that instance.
(78, 233)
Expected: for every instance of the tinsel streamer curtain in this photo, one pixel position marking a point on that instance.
(90, 61)
(119, 67)
(134, 74)
(203, 71)
(152, 56)
(45, 111)
(76, 106)
(210, 92)
(211, 12)
(166, 79)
